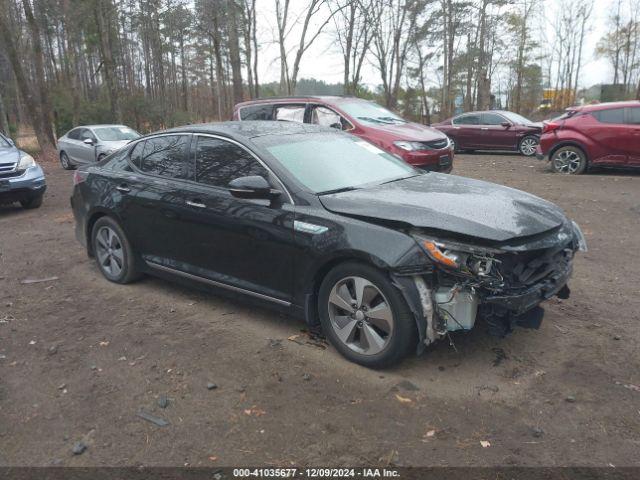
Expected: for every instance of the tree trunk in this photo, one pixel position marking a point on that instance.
(46, 113)
(103, 14)
(33, 110)
(234, 52)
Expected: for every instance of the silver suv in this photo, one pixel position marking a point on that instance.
(91, 143)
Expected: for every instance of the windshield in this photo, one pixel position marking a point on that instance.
(326, 163)
(4, 143)
(371, 113)
(515, 118)
(115, 134)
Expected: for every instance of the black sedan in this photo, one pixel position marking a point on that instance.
(324, 225)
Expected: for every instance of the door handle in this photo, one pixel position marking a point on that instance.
(123, 188)
(196, 203)
(484, 128)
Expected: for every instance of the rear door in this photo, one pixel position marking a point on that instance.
(290, 112)
(72, 145)
(466, 130)
(154, 203)
(495, 136)
(633, 122)
(612, 135)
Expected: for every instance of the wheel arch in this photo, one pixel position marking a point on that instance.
(569, 143)
(312, 284)
(92, 218)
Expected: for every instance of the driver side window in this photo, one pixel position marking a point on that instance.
(325, 117)
(218, 162)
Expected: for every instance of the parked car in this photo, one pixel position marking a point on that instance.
(606, 134)
(21, 178)
(386, 257)
(91, 143)
(416, 144)
(492, 130)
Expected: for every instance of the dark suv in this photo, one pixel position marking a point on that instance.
(607, 134)
(492, 130)
(418, 145)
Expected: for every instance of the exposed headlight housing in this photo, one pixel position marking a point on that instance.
(410, 146)
(582, 242)
(454, 256)
(26, 161)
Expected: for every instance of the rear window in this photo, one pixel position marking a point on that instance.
(257, 112)
(467, 120)
(614, 115)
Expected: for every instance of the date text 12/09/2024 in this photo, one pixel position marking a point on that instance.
(315, 473)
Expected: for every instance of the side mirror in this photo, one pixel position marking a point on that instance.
(252, 187)
(506, 124)
(88, 141)
(336, 125)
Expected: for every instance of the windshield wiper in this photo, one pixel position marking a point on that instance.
(401, 178)
(371, 119)
(394, 119)
(337, 190)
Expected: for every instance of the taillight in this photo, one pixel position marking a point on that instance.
(549, 127)
(79, 177)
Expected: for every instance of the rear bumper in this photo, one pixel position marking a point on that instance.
(31, 183)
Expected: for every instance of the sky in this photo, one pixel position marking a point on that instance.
(323, 60)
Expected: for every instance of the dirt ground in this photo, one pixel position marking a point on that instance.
(80, 357)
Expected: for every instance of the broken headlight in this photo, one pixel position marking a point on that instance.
(582, 242)
(464, 258)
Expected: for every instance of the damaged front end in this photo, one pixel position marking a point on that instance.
(503, 283)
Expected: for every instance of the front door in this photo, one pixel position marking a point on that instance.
(633, 123)
(495, 135)
(242, 243)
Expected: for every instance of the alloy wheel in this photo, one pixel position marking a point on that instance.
(109, 251)
(528, 146)
(64, 160)
(567, 161)
(360, 315)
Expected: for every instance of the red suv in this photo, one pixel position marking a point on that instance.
(419, 145)
(606, 134)
(492, 130)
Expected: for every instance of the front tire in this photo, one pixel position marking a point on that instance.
(66, 162)
(569, 160)
(113, 252)
(365, 317)
(527, 145)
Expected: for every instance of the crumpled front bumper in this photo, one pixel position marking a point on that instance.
(521, 302)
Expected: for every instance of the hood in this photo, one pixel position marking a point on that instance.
(453, 204)
(409, 131)
(113, 145)
(9, 155)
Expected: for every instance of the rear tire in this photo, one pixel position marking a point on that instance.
(32, 202)
(569, 160)
(66, 162)
(113, 253)
(375, 327)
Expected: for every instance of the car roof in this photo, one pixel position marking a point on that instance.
(328, 99)
(604, 106)
(251, 128)
(101, 125)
